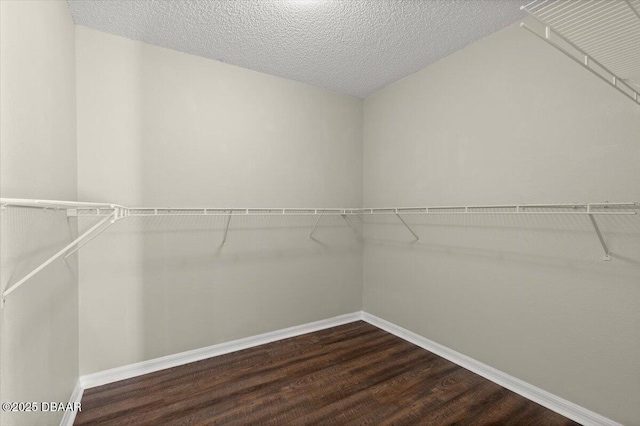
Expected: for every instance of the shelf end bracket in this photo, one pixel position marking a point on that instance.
(315, 226)
(607, 254)
(226, 229)
(112, 217)
(408, 227)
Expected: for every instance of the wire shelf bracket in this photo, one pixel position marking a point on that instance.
(88, 240)
(408, 227)
(226, 229)
(314, 227)
(605, 37)
(607, 255)
(112, 217)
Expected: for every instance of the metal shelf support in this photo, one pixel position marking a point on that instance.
(88, 240)
(14, 287)
(408, 227)
(314, 227)
(226, 229)
(607, 254)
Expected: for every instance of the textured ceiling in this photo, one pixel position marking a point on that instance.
(354, 47)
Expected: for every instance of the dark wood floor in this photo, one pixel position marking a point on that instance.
(352, 374)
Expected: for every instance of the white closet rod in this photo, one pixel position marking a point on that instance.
(115, 212)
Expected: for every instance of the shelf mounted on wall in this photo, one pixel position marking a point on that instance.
(602, 36)
(112, 213)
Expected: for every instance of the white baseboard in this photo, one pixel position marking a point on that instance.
(156, 364)
(70, 416)
(535, 394)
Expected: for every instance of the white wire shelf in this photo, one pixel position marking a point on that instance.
(601, 35)
(111, 213)
(527, 209)
(84, 209)
(205, 211)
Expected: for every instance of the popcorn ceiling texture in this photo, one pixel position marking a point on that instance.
(354, 47)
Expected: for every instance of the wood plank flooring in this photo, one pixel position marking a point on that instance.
(353, 374)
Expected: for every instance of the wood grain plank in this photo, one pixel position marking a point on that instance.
(351, 374)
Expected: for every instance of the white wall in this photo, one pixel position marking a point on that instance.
(510, 120)
(39, 323)
(158, 127)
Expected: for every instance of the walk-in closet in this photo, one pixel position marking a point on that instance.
(320, 212)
